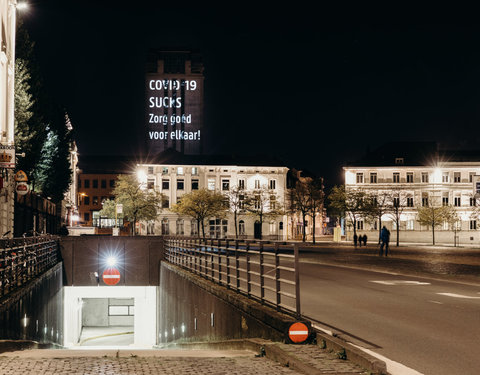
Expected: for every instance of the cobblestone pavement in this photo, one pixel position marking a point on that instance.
(211, 362)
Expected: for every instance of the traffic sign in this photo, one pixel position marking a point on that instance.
(298, 332)
(21, 176)
(111, 276)
(21, 188)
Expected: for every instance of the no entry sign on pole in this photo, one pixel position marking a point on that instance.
(298, 332)
(111, 276)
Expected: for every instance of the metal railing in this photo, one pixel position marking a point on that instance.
(265, 271)
(22, 259)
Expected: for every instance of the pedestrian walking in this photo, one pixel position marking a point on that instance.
(355, 239)
(360, 239)
(384, 240)
(364, 240)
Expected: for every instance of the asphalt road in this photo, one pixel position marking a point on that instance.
(427, 323)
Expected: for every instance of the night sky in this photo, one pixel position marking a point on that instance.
(314, 87)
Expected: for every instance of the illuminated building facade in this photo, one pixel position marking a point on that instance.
(416, 175)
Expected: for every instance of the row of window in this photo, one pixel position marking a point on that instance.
(410, 223)
(211, 184)
(181, 171)
(103, 183)
(409, 202)
(85, 200)
(409, 177)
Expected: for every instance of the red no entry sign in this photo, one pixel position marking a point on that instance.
(298, 332)
(111, 276)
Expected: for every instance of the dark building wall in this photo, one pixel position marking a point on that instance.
(41, 302)
(184, 298)
(138, 259)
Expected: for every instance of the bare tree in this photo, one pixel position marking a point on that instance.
(396, 204)
(434, 216)
(236, 198)
(300, 201)
(263, 203)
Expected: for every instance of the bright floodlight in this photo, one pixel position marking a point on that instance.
(111, 261)
(141, 175)
(22, 6)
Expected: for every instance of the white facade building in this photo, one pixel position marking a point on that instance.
(434, 178)
(175, 180)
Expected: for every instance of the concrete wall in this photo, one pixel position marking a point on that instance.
(194, 309)
(36, 311)
(138, 259)
(95, 312)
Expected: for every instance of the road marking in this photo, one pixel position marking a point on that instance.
(399, 282)
(393, 367)
(454, 295)
(322, 329)
(440, 303)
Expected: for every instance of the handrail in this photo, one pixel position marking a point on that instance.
(265, 271)
(22, 259)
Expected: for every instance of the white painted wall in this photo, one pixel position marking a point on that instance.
(145, 320)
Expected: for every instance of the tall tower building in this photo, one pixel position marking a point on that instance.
(174, 102)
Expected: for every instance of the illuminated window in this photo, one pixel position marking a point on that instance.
(373, 178)
(195, 171)
(359, 178)
(180, 171)
(410, 177)
(396, 177)
(211, 184)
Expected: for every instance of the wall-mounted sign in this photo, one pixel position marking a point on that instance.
(111, 276)
(21, 188)
(7, 156)
(21, 176)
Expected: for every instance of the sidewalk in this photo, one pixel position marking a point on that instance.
(277, 359)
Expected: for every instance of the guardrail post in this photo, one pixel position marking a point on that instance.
(297, 279)
(277, 278)
(237, 264)
(247, 257)
(227, 261)
(262, 278)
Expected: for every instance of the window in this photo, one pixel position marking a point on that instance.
(257, 184)
(256, 203)
(218, 228)
(103, 184)
(396, 202)
(425, 177)
(150, 170)
(360, 224)
(86, 200)
(165, 227)
(95, 184)
(272, 184)
(86, 184)
(193, 228)
(86, 216)
(373, 178)
(409, 225)
(445, 177)
(151, 184)
(195, 171)
(445, 225)
(457, 202)
(359, 178)
(280, 225)
(180, 227)
(241, 227)
(164, 170)
(409, 201)
(399, 160)
(95, 200)
(473, 224)
(165, 184)
(273, 228)
(409, 177)
(396, 177)
(241, 202)
(424, 200)
(180, 184)
(445, 201)
(473, 202)
(241, 184)
(179, 171)
(470, 176)
(211, 184)
(273, 202)
(456, 176)
(165, 203)
(195, 184)
(111, 183)
(225, 185)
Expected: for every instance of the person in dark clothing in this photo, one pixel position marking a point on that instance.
(360, 238)
(355, 239)
(364, 240)
(384, 239)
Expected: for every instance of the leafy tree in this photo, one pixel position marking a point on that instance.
(138, 203)
(236, 200)
(434, 216)
(351, 202)
(201, 205)
(263, 203)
